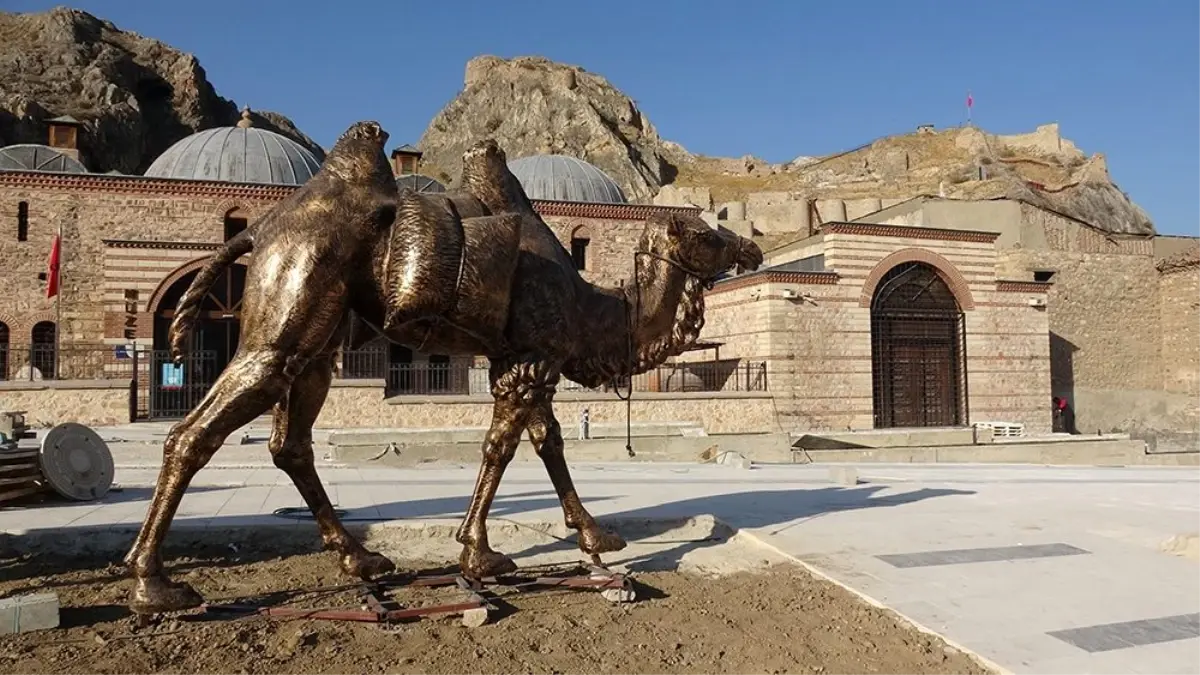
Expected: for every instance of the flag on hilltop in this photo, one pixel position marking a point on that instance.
(970, 101)
(52, 276)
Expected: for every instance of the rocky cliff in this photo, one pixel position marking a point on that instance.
(531, 105)
(134, 95)
(1040, 167)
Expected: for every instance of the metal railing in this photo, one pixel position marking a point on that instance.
(465, 378)
(32, 363)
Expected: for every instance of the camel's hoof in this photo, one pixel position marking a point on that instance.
(595, 541)
(480, 564)
(366, 564)
(158, 594)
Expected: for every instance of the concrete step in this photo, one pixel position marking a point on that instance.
(884, 438)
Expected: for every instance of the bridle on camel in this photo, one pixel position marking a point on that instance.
(706, 281)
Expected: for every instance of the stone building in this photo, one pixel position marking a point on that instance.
(130, 245)
(922, 313)
(1123, 320)
(868, 326)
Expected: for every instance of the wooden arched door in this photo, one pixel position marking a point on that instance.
(918, 350)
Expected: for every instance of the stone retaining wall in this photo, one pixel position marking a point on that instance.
(91, 402)
(360, 403)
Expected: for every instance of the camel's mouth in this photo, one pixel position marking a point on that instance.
(750, 256)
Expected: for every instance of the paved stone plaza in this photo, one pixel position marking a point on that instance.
(1037, 569)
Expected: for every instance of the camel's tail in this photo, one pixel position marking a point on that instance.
(189, 305)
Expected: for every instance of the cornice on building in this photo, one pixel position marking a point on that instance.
(165, 187)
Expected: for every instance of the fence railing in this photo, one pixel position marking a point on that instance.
(154, 370)
(465, 378)
(33, 363)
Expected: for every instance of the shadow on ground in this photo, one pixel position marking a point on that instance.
(100, 548)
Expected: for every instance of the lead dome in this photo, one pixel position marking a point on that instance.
(563, 178)
(34, 157)
(240, 154)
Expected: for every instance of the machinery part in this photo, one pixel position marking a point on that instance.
(76, 462)
(12, 428)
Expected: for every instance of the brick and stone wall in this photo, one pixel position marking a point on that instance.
(1106, 328)
(90, 210)
(1179, 301)
(118, 235)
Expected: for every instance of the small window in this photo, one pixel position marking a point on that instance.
(1043, 275)
(3, 351)
(43, 350)
(233, 226)
(579, 252)
(22, 221)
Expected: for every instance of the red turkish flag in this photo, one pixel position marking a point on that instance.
(970, 101)
(52, 277)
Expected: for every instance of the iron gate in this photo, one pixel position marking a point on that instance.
(165, 390)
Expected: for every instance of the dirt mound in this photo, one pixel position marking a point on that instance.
(781, 621)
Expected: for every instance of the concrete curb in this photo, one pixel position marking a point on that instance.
(982, 660)
(116, 539)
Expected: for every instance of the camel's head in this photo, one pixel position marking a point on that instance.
(696, 246)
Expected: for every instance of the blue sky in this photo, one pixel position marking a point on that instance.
(773, 79)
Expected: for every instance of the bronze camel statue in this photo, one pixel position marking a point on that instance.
(472, 271)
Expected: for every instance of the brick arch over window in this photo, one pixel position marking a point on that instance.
(34, 319)
(152, 305)
(230, 206)
(945, 269)
(11, 321)
(581, 232)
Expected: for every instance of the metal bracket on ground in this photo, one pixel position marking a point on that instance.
(475, 608)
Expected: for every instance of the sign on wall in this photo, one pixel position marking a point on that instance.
(172, 376)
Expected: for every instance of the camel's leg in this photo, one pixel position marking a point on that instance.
(291, 450)
(546, 436)
(247, 388)
(512, 384)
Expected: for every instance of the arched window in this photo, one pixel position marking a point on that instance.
(43, 351)
(3, 351)
(235, 221)
(918, 350)
(580, 238)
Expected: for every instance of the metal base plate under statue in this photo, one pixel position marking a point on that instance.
(475, 607)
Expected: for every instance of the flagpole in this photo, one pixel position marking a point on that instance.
(58, 303)
(970, 104)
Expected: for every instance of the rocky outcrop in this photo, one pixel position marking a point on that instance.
(135, 96)
(1040, 167)
(531, 106)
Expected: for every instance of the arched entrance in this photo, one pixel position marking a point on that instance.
(176, 389)
(918, 350)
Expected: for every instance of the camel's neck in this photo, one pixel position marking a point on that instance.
(662, 307)
(669, 306)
